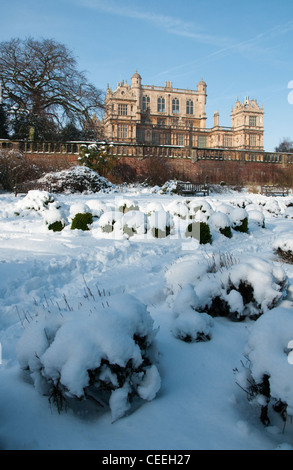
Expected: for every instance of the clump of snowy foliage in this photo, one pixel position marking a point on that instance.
(228, 287)
(284, 248)
(76, 179)
(189, 325)
(267, 377)
(161, 223)
(100, 350)
(34, 201)
(42, 203)
(134, 222)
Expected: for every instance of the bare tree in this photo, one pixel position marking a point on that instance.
(43, 87)
(285, 146)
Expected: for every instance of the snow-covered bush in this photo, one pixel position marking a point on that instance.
(239, 219)
(189, 325)
(78, 208)
(235, 289)
(206, 208)
(288, 214)
(55, 217)
(108, 220)
(221, 222)
(192, 327)
(154, 206)
(256, 217)
(185, 271)
(44, 203)
(179, 209)
(169, 187)
(134, 223)
(100, 350)
(127, 205)
(96, 207)
(161, 224)
(272, 206)
(77, 179)
(224, 208)
(247, 289)
(283, 246)
(34, 201)
(194, 207)
(200, 231)
(267, 377)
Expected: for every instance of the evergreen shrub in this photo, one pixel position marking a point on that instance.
(200, 231)
(82, 221)
(56, 226)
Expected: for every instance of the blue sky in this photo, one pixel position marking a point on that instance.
(239, 48)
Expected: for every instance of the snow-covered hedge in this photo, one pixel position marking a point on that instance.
(134, 223)
(232, 288)
(267, 377)
(76, 179)
(196, 218)
(45, 205)
(178, 208)
(34, 201)
(100, 350)
(284, 248)
(189, 325)
(161, 223)
(126, 205)
(221, 222)
(239, 219)
(108, 220)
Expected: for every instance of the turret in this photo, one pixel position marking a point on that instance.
(202, 100)
(136, 80)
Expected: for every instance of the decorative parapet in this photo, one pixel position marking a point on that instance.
(142, 151)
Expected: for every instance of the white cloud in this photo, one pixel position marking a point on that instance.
(168, 23)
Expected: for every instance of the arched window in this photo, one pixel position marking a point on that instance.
(161, 105)
(189, 107)
(175, 106)
(146, 102)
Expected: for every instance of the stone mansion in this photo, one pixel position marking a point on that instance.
(153, 115)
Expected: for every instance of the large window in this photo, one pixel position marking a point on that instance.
(252, 140)
(227, 141)
(189, 107)
(175, 106)
(202, 141)
(122, 109)
(122, 131)
(252, 121)
(146, 101)
(161, 105)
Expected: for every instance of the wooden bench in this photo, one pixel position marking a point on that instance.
(274, 191)
(192, 189)
(24, 188)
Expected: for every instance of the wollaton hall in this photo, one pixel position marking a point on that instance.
(153, 115)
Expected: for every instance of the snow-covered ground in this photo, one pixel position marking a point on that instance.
(199, 405)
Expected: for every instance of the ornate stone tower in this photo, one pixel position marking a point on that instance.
(136, 90)
(247, 125)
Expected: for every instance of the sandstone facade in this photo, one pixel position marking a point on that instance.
(153, 115)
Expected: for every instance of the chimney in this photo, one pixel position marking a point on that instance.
(216, 119)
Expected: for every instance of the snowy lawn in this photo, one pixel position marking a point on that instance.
(171, 308)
